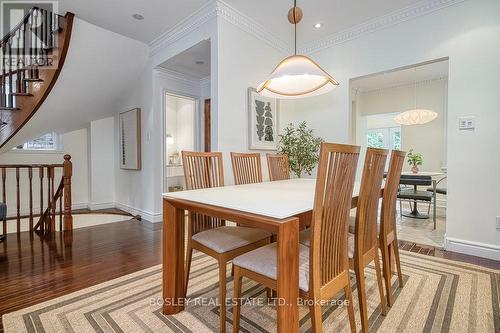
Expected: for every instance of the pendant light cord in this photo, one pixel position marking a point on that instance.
(295, 24)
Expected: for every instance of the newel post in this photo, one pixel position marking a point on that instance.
(67, 173)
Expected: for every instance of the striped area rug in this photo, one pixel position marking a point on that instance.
(438, 295)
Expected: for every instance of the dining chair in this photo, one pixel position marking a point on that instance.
(277, 166)
(211, 235)
(388, 240)
(363, 244)
(247, 168)
(323, 267)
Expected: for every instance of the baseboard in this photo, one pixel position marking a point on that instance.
(80, 205)
(101, 205)
(472, 248)
(148, 216)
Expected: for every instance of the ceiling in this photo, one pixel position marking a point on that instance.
(162, 15)
(116, 15)
(186, 62)
(399, 77)
(335, 15)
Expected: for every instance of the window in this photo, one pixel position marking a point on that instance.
(49, 141)
(387, 138)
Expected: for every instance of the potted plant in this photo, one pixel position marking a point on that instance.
(301, 147)
(415, 159)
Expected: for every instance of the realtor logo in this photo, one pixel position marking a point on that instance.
(27, 29)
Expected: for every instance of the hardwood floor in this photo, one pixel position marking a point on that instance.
(33, 270)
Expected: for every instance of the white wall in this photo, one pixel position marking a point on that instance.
(139, 192)
(75, 144)
(467, 33)
(102, 163)
(100, 68)
(428, 139)
(244, 61)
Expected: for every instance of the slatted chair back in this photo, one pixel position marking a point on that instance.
(332, 203)
(247, 168)
(278, 167)
(203, 170)
(388, 211)
(368, 200)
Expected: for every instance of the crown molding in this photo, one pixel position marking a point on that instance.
(402, 85)
(178, 76)
(186, 26)
(402, 15)
(249, 25)
(205, 80)
(210, 10)
(218, 8)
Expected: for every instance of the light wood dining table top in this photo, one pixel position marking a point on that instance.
(278, 199)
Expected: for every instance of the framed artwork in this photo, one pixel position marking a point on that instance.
(262, 121)
(130, 139)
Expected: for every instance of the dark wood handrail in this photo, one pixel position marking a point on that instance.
(24, 21)
(46, 174)
(28, 166)
(33, 54)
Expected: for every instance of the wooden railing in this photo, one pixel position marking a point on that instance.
(53, 202)
(32, 56)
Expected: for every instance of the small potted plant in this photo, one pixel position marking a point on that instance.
(301, 147)
(415, 159)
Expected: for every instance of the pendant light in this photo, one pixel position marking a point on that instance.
(415, 116)
(297, 76)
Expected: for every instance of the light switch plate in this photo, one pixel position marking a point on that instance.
(466, 123)
(498, 223)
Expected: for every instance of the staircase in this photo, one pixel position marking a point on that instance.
(32, 54)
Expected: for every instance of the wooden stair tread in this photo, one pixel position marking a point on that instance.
(21, 94)
(5, 108)
(56, 42)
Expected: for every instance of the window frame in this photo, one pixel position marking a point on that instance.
(387, 133)
(58, 146)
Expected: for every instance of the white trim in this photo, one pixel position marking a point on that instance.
(148, 216)
(218, 8)
(215, 9)
(418, 9)
(247, 24)
(185, 27)
(396, 85)
(205, 83)
(101, 205)
(80, 205)
(177, 76)
(472, 248)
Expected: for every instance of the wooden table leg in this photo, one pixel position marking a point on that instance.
(174, 292)
(288, 277)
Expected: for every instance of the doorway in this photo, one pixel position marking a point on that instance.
(376, 102)
(180, 134)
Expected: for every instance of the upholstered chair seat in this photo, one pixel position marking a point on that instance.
(264, 262)
(227, 238)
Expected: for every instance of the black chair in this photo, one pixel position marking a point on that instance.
(409, 191)
(439, 190)
(3, 214)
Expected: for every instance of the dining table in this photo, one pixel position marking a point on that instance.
(280, 207)
(436, 177)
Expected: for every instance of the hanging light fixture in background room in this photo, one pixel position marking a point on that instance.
(297, 76)
(415, 116)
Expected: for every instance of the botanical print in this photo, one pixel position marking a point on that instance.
(262, 121)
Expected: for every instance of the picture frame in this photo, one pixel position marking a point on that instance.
(263, 119)
(130, 139)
